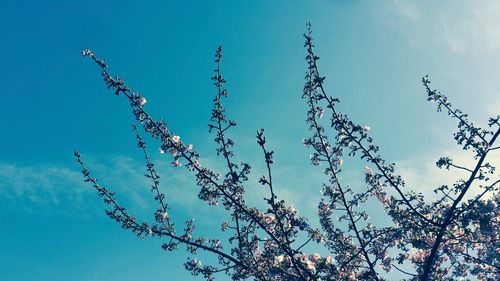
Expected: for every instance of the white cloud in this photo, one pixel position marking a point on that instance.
(422, 175)
(408, 9)
(460, 27)
(55, 188)
(42, 188)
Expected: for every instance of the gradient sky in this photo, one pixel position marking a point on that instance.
(373, 53)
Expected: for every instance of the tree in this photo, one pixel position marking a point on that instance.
(455, 236)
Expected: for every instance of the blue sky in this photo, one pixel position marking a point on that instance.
(53, 101)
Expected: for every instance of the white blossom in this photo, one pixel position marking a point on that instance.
(368, 171)
(279, 259)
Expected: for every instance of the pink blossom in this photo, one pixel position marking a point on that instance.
(269, 219)
(305, 142)
(368, 171)
(340, 161)
(328, 260)
(225, 226)
(419, 255)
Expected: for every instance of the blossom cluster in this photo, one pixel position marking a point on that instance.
(455, 236)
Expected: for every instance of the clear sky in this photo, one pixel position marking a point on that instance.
(53, 101)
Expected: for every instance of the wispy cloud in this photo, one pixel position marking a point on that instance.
(408, 10)
(41, 188)
(422, 175)
(460, 27)
(56, 188)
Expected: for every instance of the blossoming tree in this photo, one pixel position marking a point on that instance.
(455, 236)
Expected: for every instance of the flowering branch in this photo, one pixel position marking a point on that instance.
(426, 270)
(120, 215)
(352, 136)
(468, 134)
(327, 154)
(450, 237)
